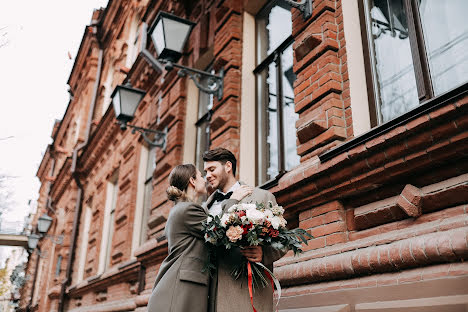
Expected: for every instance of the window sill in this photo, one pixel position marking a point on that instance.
(422, 109)
(273, 182)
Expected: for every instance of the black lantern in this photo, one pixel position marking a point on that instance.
(43, 223)
(305, 6)
(125, 100)
(169, 34)
(33, 239)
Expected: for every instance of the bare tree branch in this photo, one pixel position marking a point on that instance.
(4, 37)
(5, 192)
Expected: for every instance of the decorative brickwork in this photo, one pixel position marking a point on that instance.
(386, 209)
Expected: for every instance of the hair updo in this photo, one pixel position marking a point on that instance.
(179, 181)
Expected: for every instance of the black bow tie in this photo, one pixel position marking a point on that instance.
(219, 197)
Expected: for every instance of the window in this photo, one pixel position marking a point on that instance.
(84, 242)
(418, 49)
(108, 227)
(58, 268)
(144, 195)
(275, 93)
(205, 104)
(132, 43)
(108, 89)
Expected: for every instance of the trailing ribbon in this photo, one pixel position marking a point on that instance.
(249, 275)
(274, 280)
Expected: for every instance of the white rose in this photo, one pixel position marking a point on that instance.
(254, 215)
(249, 206)
(268, 213)
(275, 222)
(224, 219)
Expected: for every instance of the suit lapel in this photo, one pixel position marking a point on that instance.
(210, 199)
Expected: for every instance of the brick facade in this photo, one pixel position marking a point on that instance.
(387, 209)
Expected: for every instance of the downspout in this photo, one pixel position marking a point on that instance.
(29, 306)
(79, 202)
(49, 198)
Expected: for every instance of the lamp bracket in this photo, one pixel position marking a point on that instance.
(160, 137)
(305, 6)
(205, 81)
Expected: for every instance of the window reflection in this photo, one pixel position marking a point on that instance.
(289, 115)
(394, 78)
(446, 38)
(205, 104)
(275, 77)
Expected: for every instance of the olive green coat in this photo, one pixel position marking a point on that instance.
(228, 294)
(180, 284)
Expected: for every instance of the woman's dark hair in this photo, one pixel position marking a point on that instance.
(222, 155)
(179, 180)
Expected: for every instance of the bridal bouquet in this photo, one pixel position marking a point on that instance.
(253, 225)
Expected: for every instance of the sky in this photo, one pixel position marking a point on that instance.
(36, 38)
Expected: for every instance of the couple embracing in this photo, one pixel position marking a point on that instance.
(182, 284)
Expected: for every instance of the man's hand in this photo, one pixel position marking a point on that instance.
(241, 192)
(253, 253)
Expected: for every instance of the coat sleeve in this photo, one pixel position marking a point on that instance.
(194, 216)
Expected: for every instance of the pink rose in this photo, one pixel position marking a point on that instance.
(234, 233)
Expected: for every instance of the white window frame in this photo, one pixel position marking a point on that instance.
(84, 243)
(108, 226)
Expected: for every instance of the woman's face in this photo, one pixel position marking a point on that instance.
(200, 187)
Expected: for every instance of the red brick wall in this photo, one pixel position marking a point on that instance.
(389, 211)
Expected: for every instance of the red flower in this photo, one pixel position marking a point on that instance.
(246, 228)
(241, 213)
(274, 233)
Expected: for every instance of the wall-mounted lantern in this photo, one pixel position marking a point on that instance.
(125, 100)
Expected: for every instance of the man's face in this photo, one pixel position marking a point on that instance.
(217, 174)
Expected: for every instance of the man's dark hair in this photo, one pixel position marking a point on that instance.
(222, 155)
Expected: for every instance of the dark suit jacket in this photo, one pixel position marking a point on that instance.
(180, 284)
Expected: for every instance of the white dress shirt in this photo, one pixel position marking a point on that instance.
(217, 208)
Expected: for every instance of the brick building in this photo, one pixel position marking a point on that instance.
(368, 150)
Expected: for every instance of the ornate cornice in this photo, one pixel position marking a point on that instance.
(62, 180)
(106, 131)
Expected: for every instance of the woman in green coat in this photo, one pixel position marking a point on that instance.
(181, 285)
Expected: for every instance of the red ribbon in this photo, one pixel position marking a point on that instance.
(249, 274)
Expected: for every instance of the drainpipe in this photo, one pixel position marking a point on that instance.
(79, 202)
(49, 198)
(29, 306)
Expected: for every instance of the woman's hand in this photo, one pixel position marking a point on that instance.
(253, 253)
(241, 192)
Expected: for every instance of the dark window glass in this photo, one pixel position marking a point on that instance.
(58, 268)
